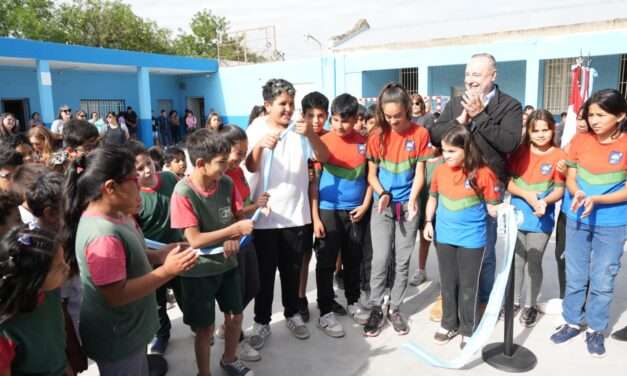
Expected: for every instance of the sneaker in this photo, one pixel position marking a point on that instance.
(418, 278)
(297, 326)
(564, 332)
(595, 343)
(171, 299)
(359, 313)
(219, 332)
(258, 335)
(330, 326)
(338, 309)
(375, 323)
(236, 368)
(158, 345)
(399, 323)
(436, 310)
(529, 317)
(502, 313)
(443, 336)
(620, 335)
(303, 308)
(247, 353)
(339, 279)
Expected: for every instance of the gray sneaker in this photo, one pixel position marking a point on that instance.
(236, 368)
(418, 278)
(258, 335)
(330, 326)
(297, 326)
(359, 313)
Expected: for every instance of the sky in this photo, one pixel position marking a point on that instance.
(322, 19)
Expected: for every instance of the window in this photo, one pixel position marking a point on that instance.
(102, 106)
(622, 84)
(557, 81)
(409, 79)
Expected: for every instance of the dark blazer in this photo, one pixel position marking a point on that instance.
(496, 131)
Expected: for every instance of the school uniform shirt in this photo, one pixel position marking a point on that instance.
(343, 180)
(211, 210)
(397, 159)
(601, 169)
(110, 250)
(240, 183)
(288, 181)
(154, 215)
(537, 173)
(33, 343)
(461, 212)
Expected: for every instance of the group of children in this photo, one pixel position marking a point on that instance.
(77, 279)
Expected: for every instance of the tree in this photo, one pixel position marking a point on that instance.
(112, 24)
(209, 38)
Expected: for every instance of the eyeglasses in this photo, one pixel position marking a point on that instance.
(67, 111)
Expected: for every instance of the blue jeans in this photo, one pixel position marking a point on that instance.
(486, 278)
(593, 256)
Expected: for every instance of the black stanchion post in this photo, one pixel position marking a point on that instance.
(508, 356)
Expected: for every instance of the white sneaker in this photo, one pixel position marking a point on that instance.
(418, 278)
(219, 332)
(330, 326)
(359, 314)
(297, 326)
(257, 335)
(247, 353)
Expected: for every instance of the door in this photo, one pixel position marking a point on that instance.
(197, 106)
(19, 108)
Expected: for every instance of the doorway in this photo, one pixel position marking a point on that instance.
(197, 106)
(20, 109)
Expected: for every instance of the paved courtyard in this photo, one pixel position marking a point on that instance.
(355, 354)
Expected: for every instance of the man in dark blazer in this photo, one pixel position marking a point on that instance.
(495, 120)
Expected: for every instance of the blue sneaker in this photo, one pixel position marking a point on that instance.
(159, 345)
(595, 342)
(564, 333)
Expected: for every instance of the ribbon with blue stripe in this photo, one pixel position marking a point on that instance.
(490, 317)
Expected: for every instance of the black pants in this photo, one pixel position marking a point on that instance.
(162, 306)
(249, 273)
(459, 279)
(342, 234)
(282, 249)
(560, 247)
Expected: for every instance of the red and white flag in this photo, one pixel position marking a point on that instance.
(580, 90)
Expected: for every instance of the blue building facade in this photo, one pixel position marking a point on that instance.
(41, 77)
(532, 67)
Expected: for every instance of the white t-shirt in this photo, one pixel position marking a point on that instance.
(57, 126)
(289, 178)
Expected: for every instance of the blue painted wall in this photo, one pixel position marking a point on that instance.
(373, 81)
(443, 78)
(17, 83)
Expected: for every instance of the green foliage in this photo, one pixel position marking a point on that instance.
(112, 24)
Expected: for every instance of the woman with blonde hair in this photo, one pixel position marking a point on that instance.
(42, 141)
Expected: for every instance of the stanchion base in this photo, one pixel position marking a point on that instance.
(522, 360)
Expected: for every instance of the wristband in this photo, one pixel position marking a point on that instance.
(386, 193)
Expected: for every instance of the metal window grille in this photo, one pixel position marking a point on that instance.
(102, 106)
(557, 81)
(409, 79)
(622, 84)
